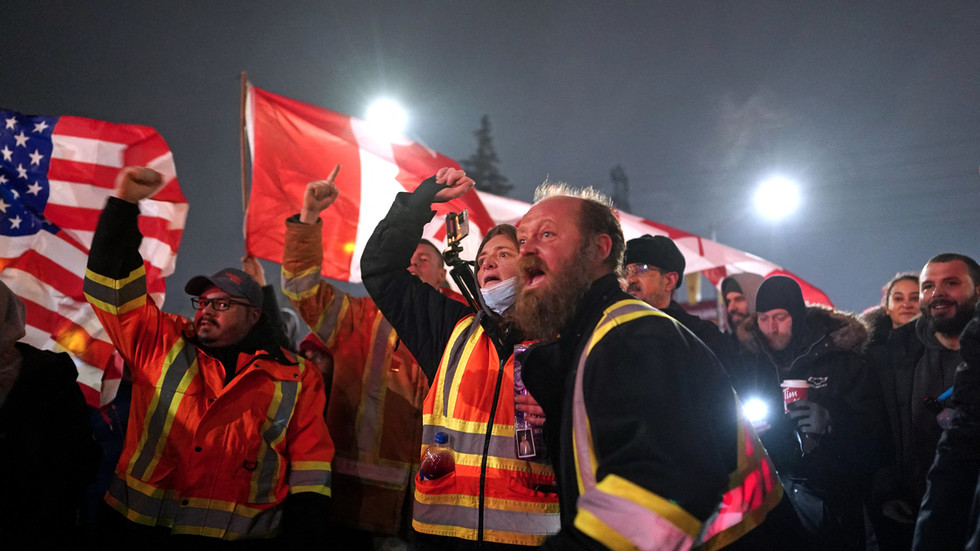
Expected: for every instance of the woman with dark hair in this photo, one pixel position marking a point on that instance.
(899, 305)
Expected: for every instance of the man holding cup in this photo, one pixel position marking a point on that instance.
(824, 441)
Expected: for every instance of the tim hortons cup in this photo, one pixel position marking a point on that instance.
(793, 390)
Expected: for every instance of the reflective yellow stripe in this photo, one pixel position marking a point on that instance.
(181, 361)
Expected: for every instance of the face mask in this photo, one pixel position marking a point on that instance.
(500, 296)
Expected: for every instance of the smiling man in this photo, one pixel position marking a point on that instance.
(922, 357)
(643, 424)
(226, 437)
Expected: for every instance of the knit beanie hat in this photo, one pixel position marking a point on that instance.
(655, 250)
(783, 292)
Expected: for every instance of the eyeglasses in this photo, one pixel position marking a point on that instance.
(640, 269)
(219, 304)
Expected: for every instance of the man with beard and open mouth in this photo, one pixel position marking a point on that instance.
(226, 438)
(643, 426)
(918, 367)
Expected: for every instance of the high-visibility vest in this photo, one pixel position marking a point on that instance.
(374, 411)
(623, 515)
(516, 508)
(202, 457)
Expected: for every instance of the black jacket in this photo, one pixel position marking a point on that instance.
(828, 356)
(661, 407)
(47, 453)
(724, 347)
(912, 366)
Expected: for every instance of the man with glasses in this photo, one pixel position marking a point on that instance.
(654, 270)
(226, 437)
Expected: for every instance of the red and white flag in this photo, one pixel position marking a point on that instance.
(55, 176)
(294, 143)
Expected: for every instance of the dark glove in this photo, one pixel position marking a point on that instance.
(810, 417)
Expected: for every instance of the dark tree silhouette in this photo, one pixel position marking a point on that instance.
(621, 188)
(482, 165)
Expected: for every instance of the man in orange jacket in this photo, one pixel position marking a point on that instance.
(226, 438)
(374, 410)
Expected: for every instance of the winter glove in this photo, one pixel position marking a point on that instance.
(810, 417)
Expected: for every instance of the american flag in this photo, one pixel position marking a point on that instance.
(55, 175)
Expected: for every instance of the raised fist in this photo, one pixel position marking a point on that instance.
(137, 182)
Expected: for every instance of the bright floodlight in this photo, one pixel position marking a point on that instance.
(755, 410)
(388, 117)
(777, 197)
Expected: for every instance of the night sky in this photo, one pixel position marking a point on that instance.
(874, 107)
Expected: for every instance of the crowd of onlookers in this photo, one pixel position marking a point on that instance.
(230, 427)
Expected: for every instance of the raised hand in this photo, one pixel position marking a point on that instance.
(251, 266)
(456, 181)
(319, 195)
(137, 182)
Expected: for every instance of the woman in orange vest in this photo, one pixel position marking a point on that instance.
(494, 499)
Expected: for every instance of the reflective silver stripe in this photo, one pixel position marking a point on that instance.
(308, 478)
(331, 316)
(370, 411)
(533, 524)
(165, 403)
(116, 297)
(472, 443)
(229, 525)
(153, 510)
(300, 285)
(372, 472)
(635, 523)
(264, 480)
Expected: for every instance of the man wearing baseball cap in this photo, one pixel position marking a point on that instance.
(226, 437)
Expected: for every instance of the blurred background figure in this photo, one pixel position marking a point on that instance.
(47, 455)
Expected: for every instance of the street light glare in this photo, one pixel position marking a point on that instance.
(777, 197)
(388, 117)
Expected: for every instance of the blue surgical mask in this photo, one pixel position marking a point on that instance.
(500, 296)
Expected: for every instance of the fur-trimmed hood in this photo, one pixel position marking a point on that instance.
(841, 331)
(878, 323)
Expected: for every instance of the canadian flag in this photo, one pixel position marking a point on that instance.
(293, 143)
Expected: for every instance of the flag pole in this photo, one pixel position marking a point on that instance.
(242, 139)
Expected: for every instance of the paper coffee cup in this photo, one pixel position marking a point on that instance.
(793, 390)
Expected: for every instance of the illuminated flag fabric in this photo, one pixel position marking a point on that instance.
(293, 143)
(55, 175)
(710, 258)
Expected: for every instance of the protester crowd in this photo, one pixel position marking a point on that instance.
(585, 409)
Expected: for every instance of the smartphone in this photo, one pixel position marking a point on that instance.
(457, 226)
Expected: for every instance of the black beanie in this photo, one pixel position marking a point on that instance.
(783, 292)
(655, 250)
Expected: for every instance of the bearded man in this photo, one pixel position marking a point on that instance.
(921, 361)
(643, 426)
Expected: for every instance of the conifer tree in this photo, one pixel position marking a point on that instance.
(482, 165)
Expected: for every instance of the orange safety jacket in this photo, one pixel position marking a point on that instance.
(200, 457)
(374, 411)
(515, 509)
(622, 515)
